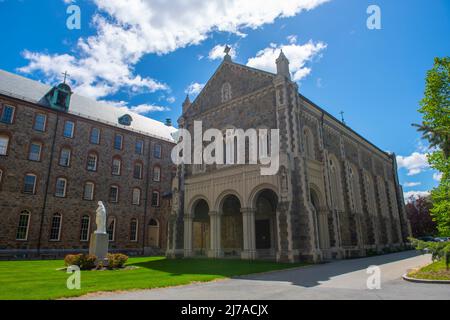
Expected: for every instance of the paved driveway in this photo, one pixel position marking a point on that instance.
(344, 279)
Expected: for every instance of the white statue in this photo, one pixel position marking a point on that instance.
(100, 219)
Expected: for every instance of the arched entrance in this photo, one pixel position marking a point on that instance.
(201, 230)
(231, 226)
(153, 233)
(321, 220)
(265, 223)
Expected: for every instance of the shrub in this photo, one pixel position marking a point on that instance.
(438, 250)
(84, 261)
(117, 260)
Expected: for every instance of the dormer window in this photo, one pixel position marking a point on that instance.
(59, 97)
(125, 120)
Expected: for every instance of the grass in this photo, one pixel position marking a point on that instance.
(33, 280)
(434, 271)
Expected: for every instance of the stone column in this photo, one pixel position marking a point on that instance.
(215, 235)
(248, 224)
(188, 225)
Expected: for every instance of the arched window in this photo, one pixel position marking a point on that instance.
(24, 224)
(226, 92)
(112, 230)
(35, 151)
(55, 228)
(61, 187)
(114, 194)
(64, 157)
(134, 230)
(157, 151)
(336, 185)
(30, 183)
(89, 189)
(85, 226)
(309, 144)
(4, 143)
(116, 166)
(354, 180)
(157, 174)
(137, 171)
(136, 197)
(370, 194)
(92, 161)
(155, 198)
(95, 136)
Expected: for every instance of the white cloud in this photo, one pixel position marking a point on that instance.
(415, 163)
(194, 88)
(412, 184)
(140, 109)
(103, 64)
(413, 195)
(218, 52)
(171, 99)
(437, 176)
(292, 39)
(298, 56)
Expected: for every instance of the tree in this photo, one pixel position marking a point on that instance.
(418, 212)
(435, 106)
(435, 127)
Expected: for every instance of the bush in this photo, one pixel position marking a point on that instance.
(438, 250)
(83, 261)
(117, 260)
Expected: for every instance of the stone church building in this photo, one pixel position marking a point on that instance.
(336, 195)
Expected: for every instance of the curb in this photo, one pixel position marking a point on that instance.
(406, 278)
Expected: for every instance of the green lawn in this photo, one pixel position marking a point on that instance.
(434, 271)
(41, 279)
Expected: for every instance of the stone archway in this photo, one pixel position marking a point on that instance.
(266, 242)
(231, 229)
(200, 228)
(321, 220)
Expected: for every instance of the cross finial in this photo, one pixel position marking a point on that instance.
(342, 116)
(66, 75)
(227, 50)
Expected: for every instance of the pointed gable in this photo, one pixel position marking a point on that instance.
(230, 81)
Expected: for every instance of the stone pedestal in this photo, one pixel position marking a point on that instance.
(99, 245)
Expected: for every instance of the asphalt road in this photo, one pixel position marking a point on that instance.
(345, 279)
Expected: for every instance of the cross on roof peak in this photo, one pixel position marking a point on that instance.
(66, 75)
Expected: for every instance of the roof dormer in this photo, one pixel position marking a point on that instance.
(126, 120)
(59, 97)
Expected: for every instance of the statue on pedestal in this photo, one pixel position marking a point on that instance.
(100, 240)
(100, 218)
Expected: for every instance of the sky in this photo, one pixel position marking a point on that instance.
(146, 55)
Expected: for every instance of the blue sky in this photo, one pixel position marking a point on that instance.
(147, 54)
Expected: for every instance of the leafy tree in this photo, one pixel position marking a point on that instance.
(435, 107)
(438, 250)
(418, 212)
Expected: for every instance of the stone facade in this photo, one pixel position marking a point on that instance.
(336, 195)
(43, 204)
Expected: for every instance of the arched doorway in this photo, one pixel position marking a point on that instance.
(321, 219)
(265, 223)
(232, 237)
(153, 233)
(201, 229)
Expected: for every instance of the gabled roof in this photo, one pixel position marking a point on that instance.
(34, 91)
(242, 66)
